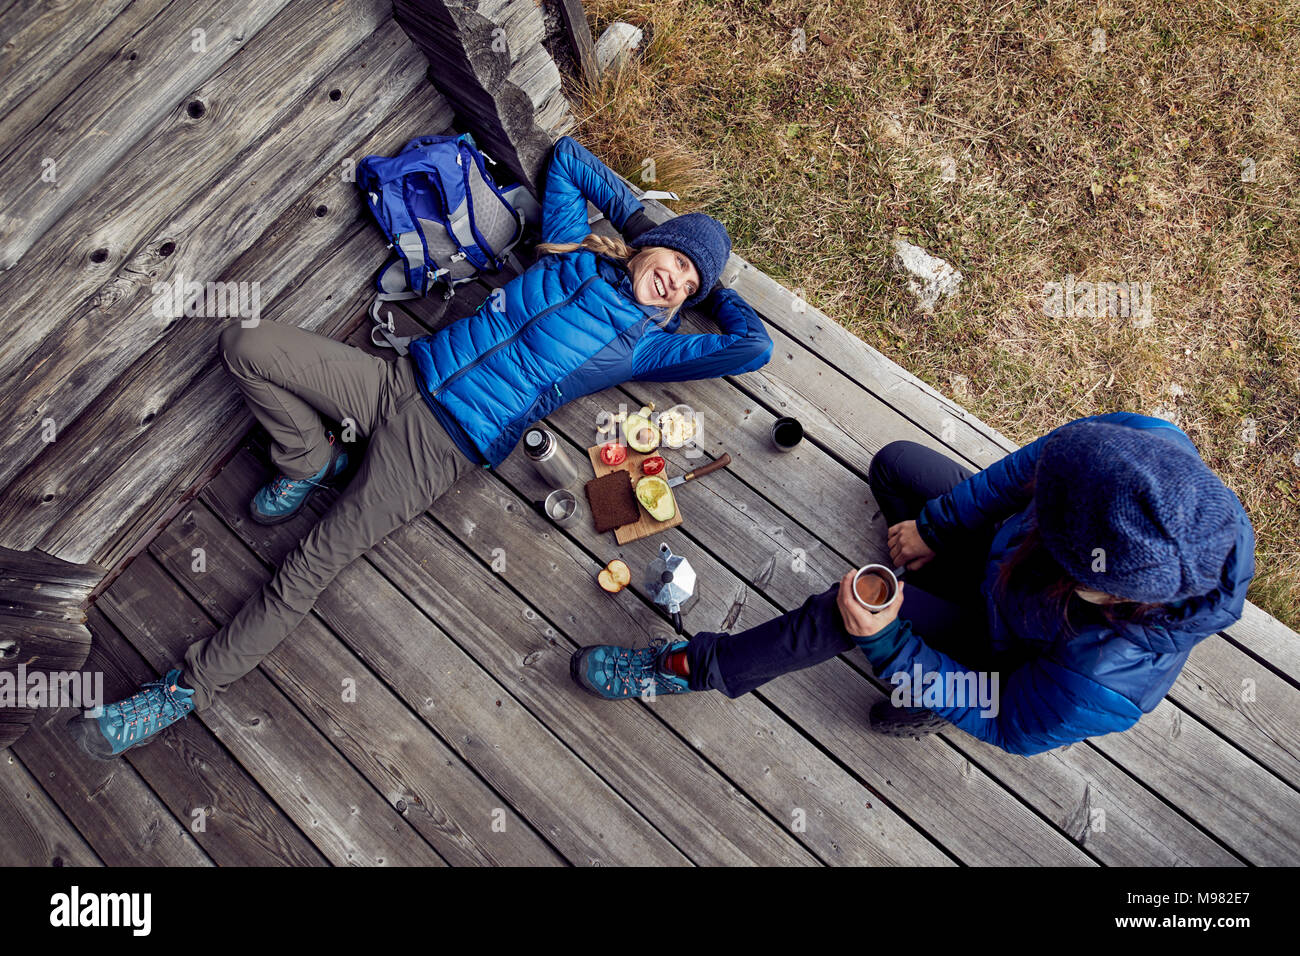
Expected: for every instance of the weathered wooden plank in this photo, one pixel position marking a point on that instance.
(836, 412)
(227, 813)
(306, 287)
(33, 831)
(439, 796)
(579, 31)
(35, 585)
(118, 104)
(24, 568)
(14, 722)
(1226, 791)
(928, 778)
(471, 710)
(1244, 701)
(43, 642)
(334, 805)
(103, 337)
(1265, 636)
(111, 222)
(1101, 806)
(516, 28)
(49, 49)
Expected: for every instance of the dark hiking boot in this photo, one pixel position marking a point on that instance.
(136, 720)
(893, 721)
(285, 497)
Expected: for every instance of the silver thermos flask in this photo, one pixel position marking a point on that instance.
(550, 460)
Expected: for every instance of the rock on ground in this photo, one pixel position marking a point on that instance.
(928, 277)
(616, 45)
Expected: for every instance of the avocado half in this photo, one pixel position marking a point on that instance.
(657, 498)
(635, 426)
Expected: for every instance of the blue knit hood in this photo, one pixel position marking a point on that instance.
(1181, 626)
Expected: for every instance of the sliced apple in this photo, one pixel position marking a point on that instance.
(620, 572)
(614, 576)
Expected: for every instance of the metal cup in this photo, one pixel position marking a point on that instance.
(786, 434)
(891, 584)
(561, 506)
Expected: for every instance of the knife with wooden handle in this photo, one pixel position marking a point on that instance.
(703, 470)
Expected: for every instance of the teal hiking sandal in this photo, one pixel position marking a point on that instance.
(618, 673)
(135, 721)
(285, 497)
(892, 721)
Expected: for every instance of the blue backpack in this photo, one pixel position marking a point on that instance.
(444, 217)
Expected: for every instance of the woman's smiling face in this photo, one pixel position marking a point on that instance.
(663, 277)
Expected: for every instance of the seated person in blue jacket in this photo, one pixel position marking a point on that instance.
(591, 313)
(1073, 578)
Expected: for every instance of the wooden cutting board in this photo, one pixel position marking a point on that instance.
(645, 525)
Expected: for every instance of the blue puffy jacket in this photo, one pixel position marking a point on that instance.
(1075, 685)
(570, 326)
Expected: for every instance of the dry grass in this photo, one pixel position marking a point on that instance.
(997, 137)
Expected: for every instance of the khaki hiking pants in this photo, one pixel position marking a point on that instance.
(289, 376)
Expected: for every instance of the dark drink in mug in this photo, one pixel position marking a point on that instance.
(875, 587)
(786, 433)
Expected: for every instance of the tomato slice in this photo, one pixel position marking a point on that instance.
(613, 453)
(653, 465)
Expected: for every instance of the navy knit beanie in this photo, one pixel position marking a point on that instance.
(1133, 513)
(702, 238)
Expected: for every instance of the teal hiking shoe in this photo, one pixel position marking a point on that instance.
(285, 497)
(892, 721)
(618, 673)
(135, 721)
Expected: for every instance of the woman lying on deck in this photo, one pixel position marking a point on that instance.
(591, 313)
(1052, 597)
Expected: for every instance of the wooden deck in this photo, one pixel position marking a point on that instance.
(423, 712)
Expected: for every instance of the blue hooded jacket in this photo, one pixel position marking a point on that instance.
(1096, 680)
(570, 326)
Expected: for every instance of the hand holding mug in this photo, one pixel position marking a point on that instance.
(906, 546)
(858, 621)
